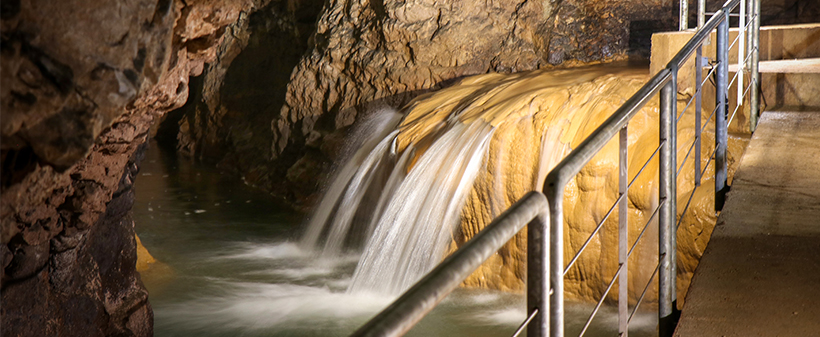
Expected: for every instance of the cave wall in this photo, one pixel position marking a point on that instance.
(278, 120)
(82, 83)
(227, 118)
(276, 105)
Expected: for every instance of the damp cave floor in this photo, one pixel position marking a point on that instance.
(760, 273)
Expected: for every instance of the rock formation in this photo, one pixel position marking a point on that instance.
(82, 83)
(537, 117)
(367, 54)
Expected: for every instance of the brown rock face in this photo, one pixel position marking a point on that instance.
(227, 118)
(82, 83)
(287, 109)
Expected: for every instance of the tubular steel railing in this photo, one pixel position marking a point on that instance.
(748, 29)
(416, 302)
(664, 83)
(546, 266)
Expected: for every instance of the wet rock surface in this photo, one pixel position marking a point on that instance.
(82, 84)
(227, 120)
(360, 56)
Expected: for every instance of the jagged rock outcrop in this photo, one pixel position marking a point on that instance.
(227, 118)
(366, 55)
(82, 83)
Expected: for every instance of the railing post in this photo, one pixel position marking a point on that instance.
(722, 101)
(538, 261)
(684, 15)
(555, 195)
(754, 99)
(701, 13)
(667, 246)
(623, 234)
(741, 51)
(698, 109)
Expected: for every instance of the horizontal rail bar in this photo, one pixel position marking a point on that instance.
(732, 45)
(734, 78)
(708, 76)
(680, 115)
(688, 153)
(525, 323)
(689, 48)
(601, 301)
(640, 235)
(617, 273)
(745, 91)
(703, 127)
(575, 161)
(608, 213)
(640, 299)
(686, 208)
(423, 296)
(730, 14)
(711, 158)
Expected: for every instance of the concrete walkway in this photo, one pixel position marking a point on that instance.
(760, 274)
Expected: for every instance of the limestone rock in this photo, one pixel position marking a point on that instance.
(537, 118)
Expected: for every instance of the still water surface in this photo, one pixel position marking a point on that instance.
(230, 266)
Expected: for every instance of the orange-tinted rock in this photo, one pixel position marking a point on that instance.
(538, 116)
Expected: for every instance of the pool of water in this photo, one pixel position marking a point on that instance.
(229, 265)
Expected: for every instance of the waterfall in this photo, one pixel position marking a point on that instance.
(415, 229)
(352, 180)
(409, 226)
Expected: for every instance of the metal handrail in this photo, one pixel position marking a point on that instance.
(664, 83)
(423, 296)
(545, 257)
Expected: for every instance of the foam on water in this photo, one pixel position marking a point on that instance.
(504, 316)
(252, 306)
(274, 251)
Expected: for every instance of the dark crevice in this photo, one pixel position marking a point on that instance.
(17, 164)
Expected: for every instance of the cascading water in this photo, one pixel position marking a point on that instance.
(412, 234)
(418, 208)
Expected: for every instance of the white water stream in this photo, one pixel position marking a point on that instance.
(418, 206)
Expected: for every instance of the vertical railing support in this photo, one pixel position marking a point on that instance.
(555, 196)
(741, 51)
(684, 15)
(698, 109)
(722, 101)
(667, 246)
(754, 91)
(538, 261)
(701, 13)
(623, 234)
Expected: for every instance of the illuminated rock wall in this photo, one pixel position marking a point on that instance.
(538, 116)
